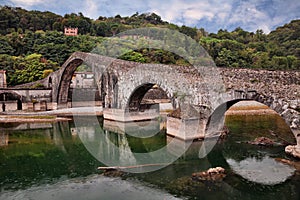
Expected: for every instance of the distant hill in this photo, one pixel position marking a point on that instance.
(288, 38)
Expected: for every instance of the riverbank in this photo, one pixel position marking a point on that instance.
(31, 119)
(250, 108)
(48, 116)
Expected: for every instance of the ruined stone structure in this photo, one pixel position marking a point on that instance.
(209, 92)
(26, 99)
(83, 80)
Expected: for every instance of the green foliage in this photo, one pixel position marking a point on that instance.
(46, 72)
(278, 50)
(133, 56)
(154, 56)
(28, 69)
(13, 19)
(5, 47)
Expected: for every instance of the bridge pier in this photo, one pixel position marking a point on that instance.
(186, 129)
(141, 129)
(123, 115)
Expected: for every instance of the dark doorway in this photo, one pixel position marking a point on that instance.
(19, 104)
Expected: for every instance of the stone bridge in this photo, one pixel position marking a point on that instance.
(201, 90)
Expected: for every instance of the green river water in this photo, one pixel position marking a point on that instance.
(52, 161)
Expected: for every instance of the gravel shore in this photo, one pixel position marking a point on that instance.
(249, 108)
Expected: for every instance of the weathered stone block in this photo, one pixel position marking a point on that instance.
(186, 129)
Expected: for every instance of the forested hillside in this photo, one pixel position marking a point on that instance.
(32, 43)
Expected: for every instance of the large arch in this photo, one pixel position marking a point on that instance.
(64, 85)
(61, 79)
(134, 84)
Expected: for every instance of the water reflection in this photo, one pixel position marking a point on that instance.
(265, 170)
(124, 150)
(141, 129)
(3, 139)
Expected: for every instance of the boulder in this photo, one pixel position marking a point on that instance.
(293, 150)
(263, 141)
(212, 174)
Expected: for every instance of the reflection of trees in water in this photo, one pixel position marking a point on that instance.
(3, 139)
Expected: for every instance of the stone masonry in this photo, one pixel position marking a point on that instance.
(122, 84)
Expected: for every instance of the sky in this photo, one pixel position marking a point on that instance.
(211, 15)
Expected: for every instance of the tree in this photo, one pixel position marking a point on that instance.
(261, 60)
(32, 68)
(133, 56)
(227, 58)
(101, 28)
(280, 62)
(192, 32)
(5, 47)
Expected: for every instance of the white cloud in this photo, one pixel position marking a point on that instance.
(197, 14)
(26, 2)
(248, 16)
(190, 12)
(90, 9)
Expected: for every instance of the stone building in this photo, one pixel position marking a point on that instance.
(71, 31)
(83, 80)
(3, 79)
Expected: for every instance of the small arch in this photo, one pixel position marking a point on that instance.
(9, 95)
(137, 96)
(6, 96)
(151, 91)
(216, 120)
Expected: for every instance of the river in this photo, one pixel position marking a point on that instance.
(60, 161)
